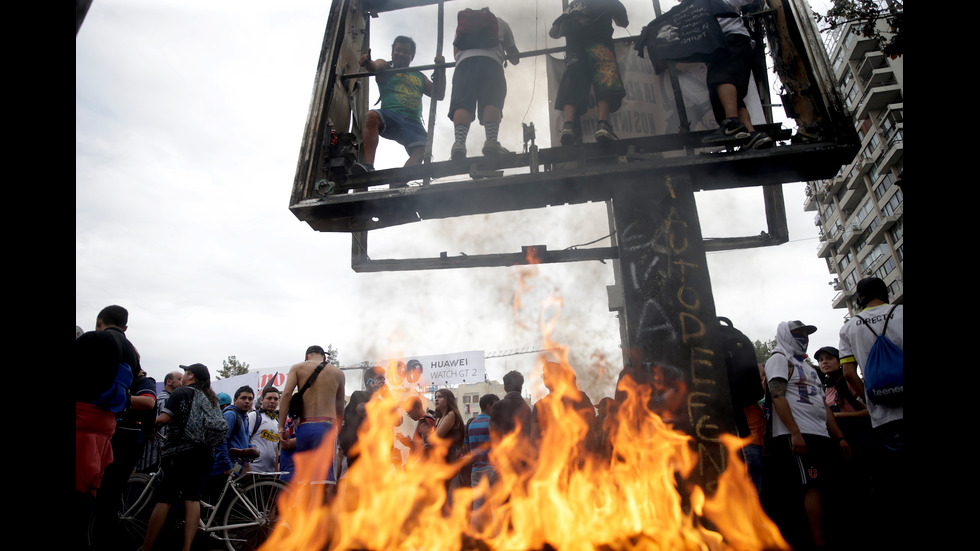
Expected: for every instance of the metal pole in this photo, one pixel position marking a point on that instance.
(432, 102)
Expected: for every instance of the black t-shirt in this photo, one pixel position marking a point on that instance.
(178, 406)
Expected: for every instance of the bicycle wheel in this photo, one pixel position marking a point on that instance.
(136, 507)
(249, 521)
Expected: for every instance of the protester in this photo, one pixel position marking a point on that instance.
(590, 62)
(889, 502)
(478, 442)
(185, 462)
(322, 387)
(264, 431)
(483, 42)
(400, 115)
(728, 78)
(802, 450)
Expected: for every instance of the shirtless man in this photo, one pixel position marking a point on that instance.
(323, 403)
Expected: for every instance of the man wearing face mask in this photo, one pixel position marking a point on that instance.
(801, 448)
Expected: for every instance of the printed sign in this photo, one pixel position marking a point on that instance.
(420, 372)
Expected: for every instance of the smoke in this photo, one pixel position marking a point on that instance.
(482, 301)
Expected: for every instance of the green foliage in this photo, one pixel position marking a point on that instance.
(867, 14)
(763, 350)
(231, 368)
(332, 355)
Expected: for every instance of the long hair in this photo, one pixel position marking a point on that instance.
(451, 406)
(205, 387)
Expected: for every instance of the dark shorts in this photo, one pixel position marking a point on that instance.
(308, 438)
(405, 130)
(591, 66)
(793, 470)
(184, 475)
(732, 66)
(478, 80)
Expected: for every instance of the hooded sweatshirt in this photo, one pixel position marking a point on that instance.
(804, 391)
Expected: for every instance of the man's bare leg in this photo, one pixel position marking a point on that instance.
(813, 504)
(157, 519)
(415, 157)
(369, 136)
(192, 514)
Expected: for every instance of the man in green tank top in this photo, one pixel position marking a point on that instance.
(400, 115)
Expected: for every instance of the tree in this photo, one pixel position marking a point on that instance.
(763, 350)
(332, 355)
(232, 367)
(868, 13)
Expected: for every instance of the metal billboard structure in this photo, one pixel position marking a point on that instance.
(663, 292)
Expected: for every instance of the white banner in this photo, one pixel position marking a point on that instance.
(419, 372)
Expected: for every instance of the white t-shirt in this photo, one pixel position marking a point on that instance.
(804, 394)
(856, 341)
(266, 439)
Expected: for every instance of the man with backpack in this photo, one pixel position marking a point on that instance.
(195, 426)
(134, 425)
(264, 431)
(801, 448)
(236, 447)
(319, 403)
(483, 43)
(872, 339)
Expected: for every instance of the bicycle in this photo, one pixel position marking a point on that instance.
(247, 504)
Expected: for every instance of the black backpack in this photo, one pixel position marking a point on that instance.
(744, 379)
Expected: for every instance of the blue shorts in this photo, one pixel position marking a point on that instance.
(405, 130)
(309, 435)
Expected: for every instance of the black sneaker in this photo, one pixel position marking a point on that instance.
(760, 140)
(358, 169)
(731, 132)
(604, 133)
(567, 133)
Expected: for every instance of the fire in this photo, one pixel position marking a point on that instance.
(562, 492)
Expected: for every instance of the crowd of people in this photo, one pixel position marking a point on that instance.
(821, 438)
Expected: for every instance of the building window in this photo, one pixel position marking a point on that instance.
(896, 200)
(883, 185)
(845, 261)
(896, 231)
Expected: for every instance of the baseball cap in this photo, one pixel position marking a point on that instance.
(315, 349)
(797, 325)
(200, 371)
(827, 350)
(224, 399)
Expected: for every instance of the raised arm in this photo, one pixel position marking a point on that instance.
(437, 86)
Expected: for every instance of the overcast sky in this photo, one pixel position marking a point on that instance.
(188, 121)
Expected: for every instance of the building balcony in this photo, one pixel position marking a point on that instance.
(876, 98)
(894, 150)
(872, 61)
(851, 235)
(815, 194)
(858, 46)
(825, 249)
(840, 300)
(878, 234)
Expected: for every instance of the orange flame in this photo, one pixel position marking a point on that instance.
(560, 491)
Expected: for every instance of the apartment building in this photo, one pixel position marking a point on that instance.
(859, 211)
